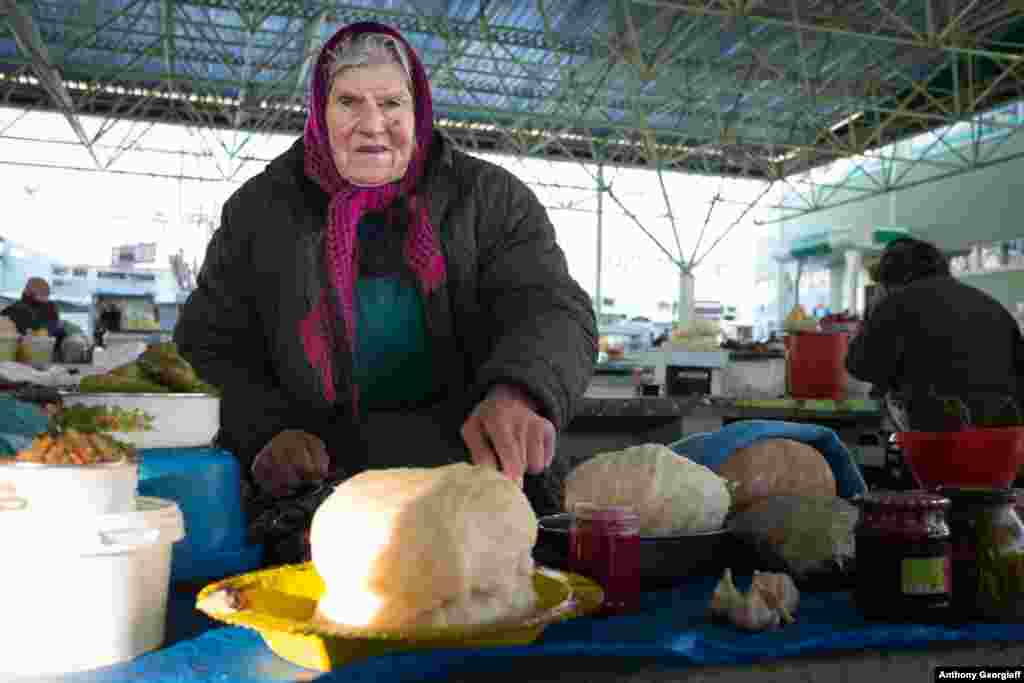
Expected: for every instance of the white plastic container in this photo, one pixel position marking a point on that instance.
(39, 350)
(105, 488)
(83, 592)
(179, 420)
(8, 349)
(757, 379)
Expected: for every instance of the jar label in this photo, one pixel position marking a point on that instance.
(925, 575)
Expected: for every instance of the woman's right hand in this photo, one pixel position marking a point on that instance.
(289, 460)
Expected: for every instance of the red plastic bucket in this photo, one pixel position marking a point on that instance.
(816, 364)
(972, 457)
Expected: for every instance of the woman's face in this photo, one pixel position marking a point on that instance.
(371, 122)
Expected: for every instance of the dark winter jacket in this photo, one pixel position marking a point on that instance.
(938, 335)
(32, 315)
(508, 313)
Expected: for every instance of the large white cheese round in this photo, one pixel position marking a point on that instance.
(425, 547)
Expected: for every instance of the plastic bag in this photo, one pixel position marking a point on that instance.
(808, 537)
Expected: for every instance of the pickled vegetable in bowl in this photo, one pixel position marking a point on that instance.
(72, 447)
(103, 419)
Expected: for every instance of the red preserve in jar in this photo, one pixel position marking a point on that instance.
(604, 544)
(904, 556)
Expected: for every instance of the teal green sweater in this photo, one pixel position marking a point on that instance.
(392, 364)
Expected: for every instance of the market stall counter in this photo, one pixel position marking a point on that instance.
(670, 636)
(669, 639)
(611, 415)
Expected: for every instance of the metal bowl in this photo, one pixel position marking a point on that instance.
(179, 420)
(665, 561)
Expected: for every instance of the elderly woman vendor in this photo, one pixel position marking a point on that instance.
(375, 297)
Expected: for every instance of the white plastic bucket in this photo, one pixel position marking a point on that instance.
(67, 490)
(83, 592)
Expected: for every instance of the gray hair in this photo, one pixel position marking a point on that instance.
(368, 49)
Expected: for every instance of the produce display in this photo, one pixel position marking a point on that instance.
(698, 335)
(424, 547)
(1000, 564)
(798, 320)
(671, 493)
(78, 435)
(103, 419)
(159, 370)
(805, 536)
(771, 601)
(777, 467)
(72, 447)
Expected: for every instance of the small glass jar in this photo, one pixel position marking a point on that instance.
(604, 544)
(904, 557)
(988, 554)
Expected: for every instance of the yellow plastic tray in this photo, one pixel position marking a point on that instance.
(279, 604)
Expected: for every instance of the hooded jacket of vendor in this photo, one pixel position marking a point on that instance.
(942, 337)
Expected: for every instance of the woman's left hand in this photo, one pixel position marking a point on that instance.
(506, 431)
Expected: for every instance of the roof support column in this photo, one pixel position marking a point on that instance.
(310, 46)
(598, 296)
(167, 26)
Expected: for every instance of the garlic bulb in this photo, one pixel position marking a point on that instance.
(754, 614)
(726, 596)
(779, 592)
(772, 599)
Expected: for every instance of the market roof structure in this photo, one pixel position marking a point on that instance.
(747, 88)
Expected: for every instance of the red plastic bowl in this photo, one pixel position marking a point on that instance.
(973, 457)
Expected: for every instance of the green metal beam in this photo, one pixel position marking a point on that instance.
(312, 33)
(32, 46)
(749, 88)
(834, 24)
(168, 26)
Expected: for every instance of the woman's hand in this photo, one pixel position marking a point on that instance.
(290, 459)
(506, 431)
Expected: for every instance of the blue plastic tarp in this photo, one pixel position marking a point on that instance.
(672, 630)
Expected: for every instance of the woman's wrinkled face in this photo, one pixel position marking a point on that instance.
(371, 122)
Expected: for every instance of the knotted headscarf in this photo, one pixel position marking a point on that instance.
(349, 203)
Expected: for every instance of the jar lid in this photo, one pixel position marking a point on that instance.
(907, 500)
(604, 513)
(979, 495)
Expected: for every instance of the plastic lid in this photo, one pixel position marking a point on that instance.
(906, 500)
(980, 496)
(604, 513)
(154, 521)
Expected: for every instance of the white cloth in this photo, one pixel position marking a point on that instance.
(68, 376)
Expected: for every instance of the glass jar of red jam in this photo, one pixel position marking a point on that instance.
(904, 557)
(604, 544)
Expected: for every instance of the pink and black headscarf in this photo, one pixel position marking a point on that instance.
(349, 203)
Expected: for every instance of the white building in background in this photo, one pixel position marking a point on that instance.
(150, 297)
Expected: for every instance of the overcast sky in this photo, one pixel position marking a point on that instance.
(153, 193)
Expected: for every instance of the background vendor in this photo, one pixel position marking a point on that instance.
(378, 298)
(34, 310)
(930, 335)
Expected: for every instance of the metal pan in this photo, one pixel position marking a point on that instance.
(665, 561)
